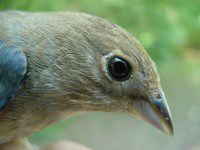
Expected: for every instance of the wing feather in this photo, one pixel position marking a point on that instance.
(12, 71)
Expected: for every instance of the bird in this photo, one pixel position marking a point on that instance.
(54, 65)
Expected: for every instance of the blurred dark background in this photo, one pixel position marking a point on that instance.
(170, 32)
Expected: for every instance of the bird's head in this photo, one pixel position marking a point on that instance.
(101, 67)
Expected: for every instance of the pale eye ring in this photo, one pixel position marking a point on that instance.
(119, 68)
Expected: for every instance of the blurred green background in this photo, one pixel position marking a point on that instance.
(170, 32)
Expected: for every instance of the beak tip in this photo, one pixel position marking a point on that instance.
(170, 132)
(167, 126)
(156, 113)
(170, 129)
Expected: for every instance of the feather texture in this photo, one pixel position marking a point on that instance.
(12, 71)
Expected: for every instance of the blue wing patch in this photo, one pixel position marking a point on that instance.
(12, 71)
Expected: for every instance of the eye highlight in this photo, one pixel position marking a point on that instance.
(119, 68)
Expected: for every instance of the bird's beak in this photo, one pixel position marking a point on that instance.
(155, 111)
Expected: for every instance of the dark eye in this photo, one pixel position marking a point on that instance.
(119, 68)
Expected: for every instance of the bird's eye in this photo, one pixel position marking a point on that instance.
(119, 68)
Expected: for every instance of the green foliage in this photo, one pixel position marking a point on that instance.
(167, 29)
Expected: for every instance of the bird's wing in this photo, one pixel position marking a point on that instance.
(12, 71)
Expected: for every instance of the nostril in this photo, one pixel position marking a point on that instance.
(158, 96)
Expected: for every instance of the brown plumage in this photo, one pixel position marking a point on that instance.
(67, 73)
